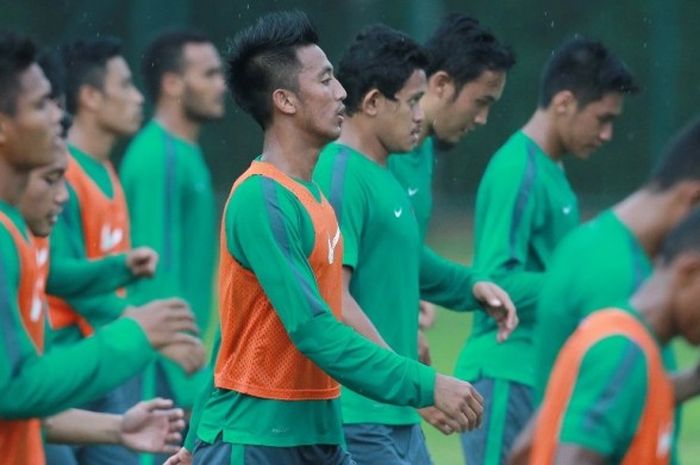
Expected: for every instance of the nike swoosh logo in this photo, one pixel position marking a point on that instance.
(331, 246)
(397, 213)
(42, 255)
(37, 305)
(110, 239)
(412, 192)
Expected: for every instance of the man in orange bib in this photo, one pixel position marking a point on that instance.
(609, 399)
(34, 384)
(94, 225)
(283, 350)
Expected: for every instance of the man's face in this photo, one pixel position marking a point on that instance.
(320, 94)
(584, 130)
(685, 284)
(398, 121)
(461, 110)
(204, 85)
(45, 195)
(120, 107)
(30, 135)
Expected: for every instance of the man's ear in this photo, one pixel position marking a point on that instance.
(172, 85)
(564, 102)
(89, 97)
(372, 102)
(442, 85)
(285, 101)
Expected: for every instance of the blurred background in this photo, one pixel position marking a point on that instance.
(656, 38)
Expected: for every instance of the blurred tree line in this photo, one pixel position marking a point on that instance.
(655, 37)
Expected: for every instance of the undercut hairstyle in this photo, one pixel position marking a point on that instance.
(464, 49)
(587, 69)
(263, 58)
(685, 237)
(680, 160)
(166, 54)
(379, 58)
(85, 62)
(17, 54)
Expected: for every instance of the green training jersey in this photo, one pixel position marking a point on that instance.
(173, 210)
(33, 385)
(269, 232)
(382, 246)
(442, 281)
(524, 207)
(610, 265)
(98, 304)
(414, 171)
(608, 399)
(599, 263)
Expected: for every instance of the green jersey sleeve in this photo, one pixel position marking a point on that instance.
(270, 233)
(447, 283)
(608, 398)
(33, 385)
(70, 277)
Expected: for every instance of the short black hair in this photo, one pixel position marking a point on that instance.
(587, 69)
(464, 49)
(165, 55)
(86, 61)
(51, 64)
(17, 54)
(381, 58)
(263, 57)
(683, 238)
(680, 160)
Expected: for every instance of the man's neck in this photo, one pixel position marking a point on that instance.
(13, 182)
(540, 128)
(649, 216)
(92, 140)
(291, 151)
(652, 302)
(359, 135)
(173, 118)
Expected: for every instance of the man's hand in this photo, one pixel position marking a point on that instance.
(142, 262)
(497, 303)
(459, 401)
(152, 426)
(164, 321)
(188, 353)
(426, 315)
(181, 457)
(439, 420)
(423, 348)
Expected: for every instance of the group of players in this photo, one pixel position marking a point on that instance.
(322, 238)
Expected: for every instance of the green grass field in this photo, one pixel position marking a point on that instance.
(451, 329)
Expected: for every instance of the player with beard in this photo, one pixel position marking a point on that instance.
(94, 224)
(169, 191)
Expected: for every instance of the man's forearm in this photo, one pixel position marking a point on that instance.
(76, 426)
